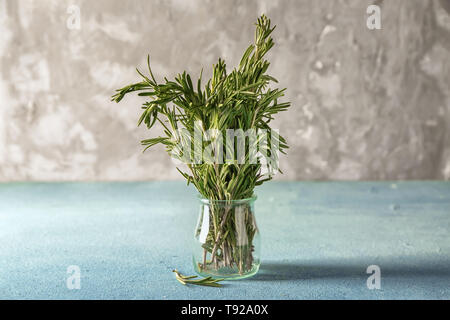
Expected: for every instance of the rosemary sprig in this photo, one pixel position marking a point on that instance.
(208, 282)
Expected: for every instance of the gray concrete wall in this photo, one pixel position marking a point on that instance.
(366, 104)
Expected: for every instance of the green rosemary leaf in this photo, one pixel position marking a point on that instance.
(209, 282)
(181, 281)
(147, 94)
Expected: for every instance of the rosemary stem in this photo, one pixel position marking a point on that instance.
(204, 258)
(219, 234)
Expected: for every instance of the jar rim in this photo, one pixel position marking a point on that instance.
(238, 201)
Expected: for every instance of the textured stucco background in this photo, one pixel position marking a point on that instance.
(366, 104)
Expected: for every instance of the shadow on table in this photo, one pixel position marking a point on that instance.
(297, 270)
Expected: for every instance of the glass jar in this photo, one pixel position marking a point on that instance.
(227, 241)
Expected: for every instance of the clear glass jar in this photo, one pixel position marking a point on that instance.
(227, 241)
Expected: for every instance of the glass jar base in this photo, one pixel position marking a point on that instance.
(226, 272)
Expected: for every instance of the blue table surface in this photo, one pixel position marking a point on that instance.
(318, 238)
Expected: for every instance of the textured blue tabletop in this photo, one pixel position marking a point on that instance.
(317, 241)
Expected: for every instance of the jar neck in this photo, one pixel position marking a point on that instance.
(237, 202)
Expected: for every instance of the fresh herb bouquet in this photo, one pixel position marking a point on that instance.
(239, 105)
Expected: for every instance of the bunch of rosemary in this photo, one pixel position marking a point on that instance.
(239, 100)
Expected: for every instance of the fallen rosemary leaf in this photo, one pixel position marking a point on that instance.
(208, 282)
